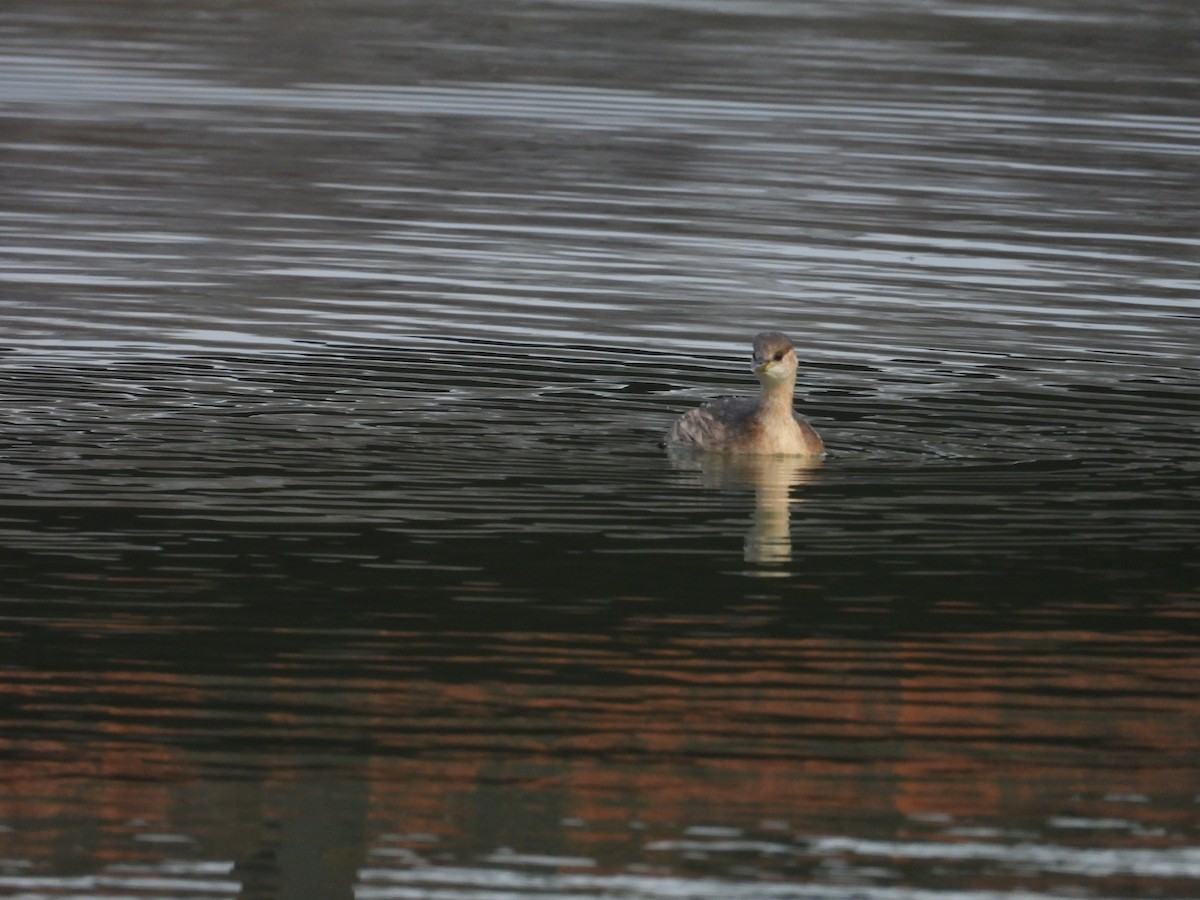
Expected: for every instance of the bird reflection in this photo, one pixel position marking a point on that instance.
(769, 540)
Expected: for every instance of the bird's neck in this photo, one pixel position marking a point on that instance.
(777, 399)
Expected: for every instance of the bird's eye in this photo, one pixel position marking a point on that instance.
(779, 355)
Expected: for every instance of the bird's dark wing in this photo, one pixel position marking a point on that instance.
(714, 425)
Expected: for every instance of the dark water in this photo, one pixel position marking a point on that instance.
(337, 554)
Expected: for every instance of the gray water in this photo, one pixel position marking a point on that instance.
(338, 556)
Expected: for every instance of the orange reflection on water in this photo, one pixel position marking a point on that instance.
(623, 738)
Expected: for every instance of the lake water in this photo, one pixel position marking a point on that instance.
(338, 555)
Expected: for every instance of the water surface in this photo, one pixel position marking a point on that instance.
(338, 556)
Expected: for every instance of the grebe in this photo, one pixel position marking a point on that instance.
(764, 426)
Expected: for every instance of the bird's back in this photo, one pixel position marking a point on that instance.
(717, 425)
(736, 425)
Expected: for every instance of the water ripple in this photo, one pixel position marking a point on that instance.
(338, 343)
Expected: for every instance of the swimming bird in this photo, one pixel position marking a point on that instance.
(766, 425)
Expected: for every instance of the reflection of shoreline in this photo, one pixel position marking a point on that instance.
(628, 740)
(769, 540)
